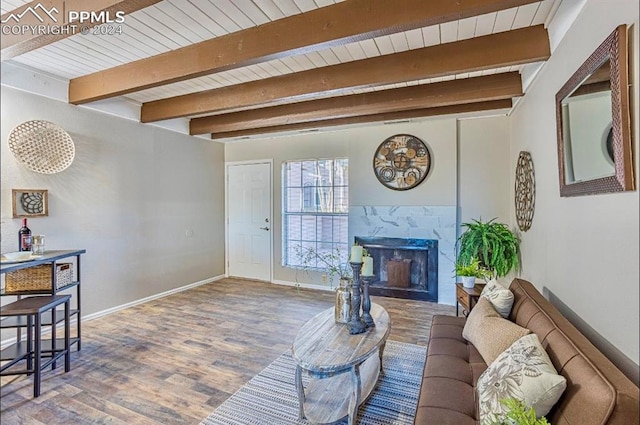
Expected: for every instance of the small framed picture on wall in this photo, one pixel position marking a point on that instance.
(29, 203)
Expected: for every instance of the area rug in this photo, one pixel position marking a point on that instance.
(270, 397)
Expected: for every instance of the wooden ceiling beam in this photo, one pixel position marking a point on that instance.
(390, 116)
(341, 23)
(15, 43)
(455, 92)
(526, 45)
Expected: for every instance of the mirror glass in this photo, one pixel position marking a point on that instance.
(593, 123)
(587, 128)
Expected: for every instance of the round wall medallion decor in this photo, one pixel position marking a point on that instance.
(32, 202)
(525, 191)
(42, 146)
(401, 162)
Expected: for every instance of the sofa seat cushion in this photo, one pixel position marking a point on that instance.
(438, 416)
(446, 398)
(447, 395)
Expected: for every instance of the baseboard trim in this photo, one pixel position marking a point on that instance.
(5, 343)
(304, 285)
(150, 298)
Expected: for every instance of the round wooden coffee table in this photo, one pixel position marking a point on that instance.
(343, 368)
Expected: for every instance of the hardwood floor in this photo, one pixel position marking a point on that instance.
(175, 359)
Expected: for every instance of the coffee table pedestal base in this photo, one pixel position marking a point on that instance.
(328, 400)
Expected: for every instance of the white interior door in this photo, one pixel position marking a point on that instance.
(249, 220)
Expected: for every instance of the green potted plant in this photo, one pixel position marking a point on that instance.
(469, 272)
(519, 414)
(495, 246)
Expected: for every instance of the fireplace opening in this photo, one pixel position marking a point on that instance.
(403, 268)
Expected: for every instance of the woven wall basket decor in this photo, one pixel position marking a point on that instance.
(525, 191)
(42, 146)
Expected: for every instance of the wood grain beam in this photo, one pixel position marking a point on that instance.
(478, 89)
(321, 28)
(390, 116)
(27, 40)
(526, 45)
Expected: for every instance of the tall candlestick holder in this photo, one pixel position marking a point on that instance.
(355, 324)
(366, 302)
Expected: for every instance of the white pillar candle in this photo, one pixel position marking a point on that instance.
(367, 267)
(356, 254)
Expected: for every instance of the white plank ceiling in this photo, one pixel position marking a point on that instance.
(171, 24)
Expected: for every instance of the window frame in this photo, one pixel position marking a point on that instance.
(287, 245)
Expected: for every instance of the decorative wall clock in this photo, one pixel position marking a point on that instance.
(402, 162)
(525, 191)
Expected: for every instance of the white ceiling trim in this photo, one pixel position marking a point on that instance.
(31, 80)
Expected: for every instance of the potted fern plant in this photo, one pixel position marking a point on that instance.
(492, 243)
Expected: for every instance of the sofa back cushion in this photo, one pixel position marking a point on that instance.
(597, 392)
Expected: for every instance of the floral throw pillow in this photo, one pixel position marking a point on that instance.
(523, 372)
(500, 297)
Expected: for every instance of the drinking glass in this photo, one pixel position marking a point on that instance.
(37, 244)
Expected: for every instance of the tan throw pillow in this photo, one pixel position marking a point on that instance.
(501, 298)
(489, 332)
(524, 372)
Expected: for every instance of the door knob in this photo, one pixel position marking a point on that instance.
(265, 228)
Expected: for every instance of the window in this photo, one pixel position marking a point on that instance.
(315, 208)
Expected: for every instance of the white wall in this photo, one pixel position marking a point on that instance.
(583, 251)
(131, 198)
(359, 145)
(281, 149)
(484, 179)
(437, 189)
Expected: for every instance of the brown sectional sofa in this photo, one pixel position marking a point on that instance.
(597, 392)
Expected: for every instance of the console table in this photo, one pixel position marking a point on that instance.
(51, 257)
(343, 368)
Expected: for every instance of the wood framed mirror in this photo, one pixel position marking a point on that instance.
(594, 123)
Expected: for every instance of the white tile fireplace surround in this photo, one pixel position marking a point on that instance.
(419, 222)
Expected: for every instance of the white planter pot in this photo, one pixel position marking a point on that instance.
(468, 281)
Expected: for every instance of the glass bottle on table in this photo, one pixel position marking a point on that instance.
(24, 237)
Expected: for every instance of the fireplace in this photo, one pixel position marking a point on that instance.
(403, 268)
